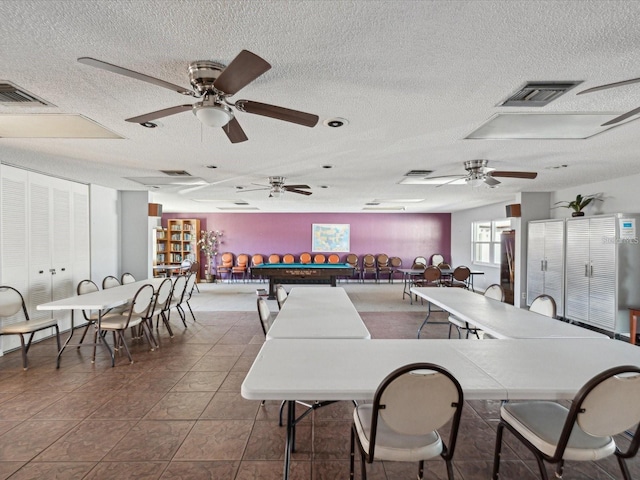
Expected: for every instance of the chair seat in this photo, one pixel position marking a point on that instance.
(28, 326)
(457, 322)
(119, 322)
(541, 424)
(391, 445)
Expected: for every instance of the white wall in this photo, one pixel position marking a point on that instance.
(104, 207)
(135, 225)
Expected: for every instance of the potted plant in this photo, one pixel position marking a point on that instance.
(578, 204)
(209, 243)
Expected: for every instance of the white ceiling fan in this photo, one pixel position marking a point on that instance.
(478, 173)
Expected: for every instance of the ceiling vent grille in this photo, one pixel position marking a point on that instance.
(176, 173)
(538, 94)
(418, 173)
(11, 94)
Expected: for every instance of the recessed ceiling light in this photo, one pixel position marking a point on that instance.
(327, 166)
(211, 166)
(149, 124)
(336, 122)
(555, 167)
(324, 186)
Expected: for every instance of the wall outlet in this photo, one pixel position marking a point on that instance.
(524, 295)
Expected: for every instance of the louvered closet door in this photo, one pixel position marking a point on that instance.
(13, 239)
(554, 263)
(602, 286)
(81, 252)
(577, 270)
(535, 259)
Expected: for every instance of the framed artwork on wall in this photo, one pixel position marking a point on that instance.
(330, 237)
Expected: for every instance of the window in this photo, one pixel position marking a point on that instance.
(485, 241)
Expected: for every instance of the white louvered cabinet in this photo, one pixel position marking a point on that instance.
(602, 271)
(44, 242)
(545, 261)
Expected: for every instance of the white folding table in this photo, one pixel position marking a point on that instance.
(318, 312)
(100, 301)
(500, 319)
(343, 369)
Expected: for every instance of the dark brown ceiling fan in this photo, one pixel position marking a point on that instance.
(214, 83)
(478, 173)
(624, 116)
(277, 188)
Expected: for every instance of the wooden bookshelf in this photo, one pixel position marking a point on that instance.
(181, 241)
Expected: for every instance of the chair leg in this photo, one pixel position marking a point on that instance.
(24, 352)
(623, 468)
(124, 344)
(420, 469)
(284, 402)
(192, 315)
(352, 454)
(165, 320)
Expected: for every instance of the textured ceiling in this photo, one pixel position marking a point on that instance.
(414, 78)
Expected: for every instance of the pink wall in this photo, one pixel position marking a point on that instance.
(405, 235)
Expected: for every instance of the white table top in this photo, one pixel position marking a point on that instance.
(341, 369)
(500, 319)
(553, 368)
(318, 312)
(547, 369)
(102, 299)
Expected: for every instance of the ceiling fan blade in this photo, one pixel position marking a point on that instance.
(622, 117)
(499, 173)
(242, 190)
(165, 112)
(242, 70)
(234, 131)
(609, 85)
(454, 178)
(296, 186)
(131, 74)
(279, 113)
(295, 190)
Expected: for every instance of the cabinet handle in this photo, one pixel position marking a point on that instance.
(41, 272)
(586, 270)
(591, 270)
(545, 265)
(542, 265)
(63, 269)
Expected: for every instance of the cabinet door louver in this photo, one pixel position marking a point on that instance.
(577, 293)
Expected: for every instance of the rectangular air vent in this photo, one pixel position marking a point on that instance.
(11, 94)
(538, 94)
(418, 173)
(176, 173)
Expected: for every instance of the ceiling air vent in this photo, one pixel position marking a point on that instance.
(418, 173)
(538, 94)
(11, 94)
(176, 173)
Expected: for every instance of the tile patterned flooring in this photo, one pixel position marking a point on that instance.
(177, 413)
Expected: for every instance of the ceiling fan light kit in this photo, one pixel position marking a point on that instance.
(213, 115)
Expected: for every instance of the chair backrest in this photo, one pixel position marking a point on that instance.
(352, 259)
(281, 295)
(257, 260)
(495, 291)
(436, 259)
(189, 287)
(163, 295)
(226, 260)
(84, 287)
(319, 258)
(195, 267)
(334, 258)
(420, 260)
(395, 262)
(11, 302)
(461, 273)
(274, 258)
(178, 288)
(418, 266)
(601, 407)
(127, 278)
(288, 258)
(369, 261)
(185, 266)
(110, 281)
(242, 260)
(141, 303)
(435, 398)
(305, 257)
(432, 273)
(444, 266)
(544, 305)
(264, 314)
(382, 260)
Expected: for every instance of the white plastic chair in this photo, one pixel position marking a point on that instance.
(544, 305)
(402, 423)
(605, 406)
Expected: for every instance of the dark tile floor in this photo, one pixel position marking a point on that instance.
(177, 413)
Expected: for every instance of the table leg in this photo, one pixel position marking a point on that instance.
(272, 289)
(291, 413)
(66, 342)
(426, 318)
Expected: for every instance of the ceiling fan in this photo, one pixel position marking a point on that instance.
(277, 188)
(478, 173)
(213, 83)
(624, 116)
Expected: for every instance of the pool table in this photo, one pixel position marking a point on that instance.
(301, 273)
